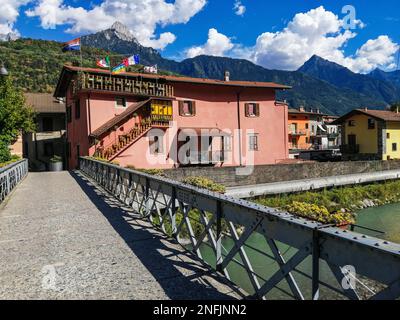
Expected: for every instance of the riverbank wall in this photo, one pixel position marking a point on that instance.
(232, 176)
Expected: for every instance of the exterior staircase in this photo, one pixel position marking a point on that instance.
(124, 141)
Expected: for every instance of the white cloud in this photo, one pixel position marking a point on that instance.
(9, 13)
(217, 45)
(239, 8)
(316, 32)
(141, 16)
(322, 33)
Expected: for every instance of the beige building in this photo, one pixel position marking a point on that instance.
(49, 139)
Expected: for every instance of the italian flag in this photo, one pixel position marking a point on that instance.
(103, 63)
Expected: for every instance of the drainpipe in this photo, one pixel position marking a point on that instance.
(239, 127)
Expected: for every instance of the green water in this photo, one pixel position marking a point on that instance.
(385, 218)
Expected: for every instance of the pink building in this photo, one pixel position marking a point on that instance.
(154, 121)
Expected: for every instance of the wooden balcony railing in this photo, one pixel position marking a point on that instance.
(111, 83)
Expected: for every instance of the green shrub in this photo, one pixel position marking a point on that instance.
(55, 159)
(205, 183)
(154, 172)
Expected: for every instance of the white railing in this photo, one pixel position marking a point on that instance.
(11, 175)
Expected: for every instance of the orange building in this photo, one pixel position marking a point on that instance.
(299, 130)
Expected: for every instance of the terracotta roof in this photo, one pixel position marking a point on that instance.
(174, 79)
(117, 120)
(44, 103)
(384, 115)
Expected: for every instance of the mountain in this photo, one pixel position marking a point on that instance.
(120, 40)
(35, 65)
(393, 77)
(339, 76)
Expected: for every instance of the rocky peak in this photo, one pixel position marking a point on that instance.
(122, 31)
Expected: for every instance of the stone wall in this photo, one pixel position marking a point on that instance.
(283, 172)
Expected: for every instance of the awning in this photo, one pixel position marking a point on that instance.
(204, 132)
(321, 128)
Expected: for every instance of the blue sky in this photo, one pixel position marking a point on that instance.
(185, 27)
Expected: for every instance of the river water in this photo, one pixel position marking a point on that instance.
(384, 218)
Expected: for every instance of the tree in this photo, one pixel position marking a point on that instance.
(395, 106)
(15, 116)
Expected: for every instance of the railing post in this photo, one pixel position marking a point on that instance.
(173, 212)
(219, 237)
(315, 264)
(147, 192)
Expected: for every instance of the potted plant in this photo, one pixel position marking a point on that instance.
(56, 164)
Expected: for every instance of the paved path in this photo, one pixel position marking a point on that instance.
(62, 238)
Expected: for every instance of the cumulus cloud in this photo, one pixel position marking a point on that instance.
(217, 45)
(320, 32)
(141, 16)
(239, 8)
(316, 32)
(9, 13)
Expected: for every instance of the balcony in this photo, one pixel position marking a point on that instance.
(350, 149)
(297, 132)
(332, 136)
(205, 157)
(125, 85)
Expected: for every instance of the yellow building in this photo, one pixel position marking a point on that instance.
(370, 135)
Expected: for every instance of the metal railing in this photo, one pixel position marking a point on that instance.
(11, 175)
(276, 255)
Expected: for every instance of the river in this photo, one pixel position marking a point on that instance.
(385, 218)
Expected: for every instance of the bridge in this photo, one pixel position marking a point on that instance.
(108, 232)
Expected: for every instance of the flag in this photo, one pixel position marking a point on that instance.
(103, 63)
(131, 60)
(119, 69)
(73, 45)
(151, 69)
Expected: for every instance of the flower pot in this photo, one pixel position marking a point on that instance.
(55, 166)
(343, 226)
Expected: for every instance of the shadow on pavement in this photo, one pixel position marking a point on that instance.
(180, 274)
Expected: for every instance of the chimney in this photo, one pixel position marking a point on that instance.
(227, 76)
(366, 109)
(302, 109)
(318, 110)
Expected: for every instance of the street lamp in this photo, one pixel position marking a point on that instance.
(3, 70)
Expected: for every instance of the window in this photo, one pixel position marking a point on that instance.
(306, 126)
(47, 124)
(253, 142)
(69, 114)
(156, 145)
(227, 143)
(394, 146)
(371, 123)
(307, 140)
(77, 109)
(120, 102)
(252, 109)
(187, 108)
(388, 135)
(352, 123)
